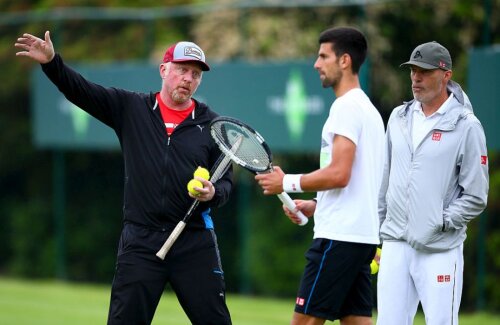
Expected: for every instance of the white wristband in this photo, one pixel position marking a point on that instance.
(291, 183)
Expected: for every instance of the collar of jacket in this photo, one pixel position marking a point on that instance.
(460, 107)
(199, 107)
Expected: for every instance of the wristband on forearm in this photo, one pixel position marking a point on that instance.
(291, 183)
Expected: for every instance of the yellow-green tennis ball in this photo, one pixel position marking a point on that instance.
(202, 173)
(374, 267)
(192, 183)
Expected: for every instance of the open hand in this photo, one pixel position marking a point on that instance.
(35, 48)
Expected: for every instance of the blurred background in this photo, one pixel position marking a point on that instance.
(61, 173)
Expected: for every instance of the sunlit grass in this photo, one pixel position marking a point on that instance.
(50, 302)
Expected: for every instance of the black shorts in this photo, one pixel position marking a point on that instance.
(192, 268)
(336, 280)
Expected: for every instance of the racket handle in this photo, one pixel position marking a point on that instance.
(288, 202)
(171, 240)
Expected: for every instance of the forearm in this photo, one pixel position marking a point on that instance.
(92, 98)
(471, 196)
(324, 179)
(461, 211)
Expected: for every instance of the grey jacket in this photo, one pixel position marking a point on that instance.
(431, 192)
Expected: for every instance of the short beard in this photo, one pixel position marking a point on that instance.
(428, 96)
(178, 98)
(332, 82)
(328, 83)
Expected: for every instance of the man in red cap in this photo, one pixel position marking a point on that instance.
(164, 137)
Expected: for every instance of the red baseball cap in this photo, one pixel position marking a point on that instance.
(186, 52)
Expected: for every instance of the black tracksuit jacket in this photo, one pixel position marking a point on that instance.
(157, 166)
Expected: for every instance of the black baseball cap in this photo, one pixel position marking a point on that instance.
(429, 56)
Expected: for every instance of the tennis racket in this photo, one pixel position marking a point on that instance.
(253, 153)
(221, 166)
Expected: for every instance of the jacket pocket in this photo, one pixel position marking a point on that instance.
(393, 226)
(426, 226)
(125, 243)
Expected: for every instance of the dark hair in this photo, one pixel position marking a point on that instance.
(346, 40)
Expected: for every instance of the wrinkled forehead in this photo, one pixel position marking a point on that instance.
(191, 65)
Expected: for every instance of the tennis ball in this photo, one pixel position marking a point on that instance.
(192, 183)
(202, 173)
(374, 265)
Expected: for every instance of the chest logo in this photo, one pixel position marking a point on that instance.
(436, 136)
(484, 160)
(200, 127)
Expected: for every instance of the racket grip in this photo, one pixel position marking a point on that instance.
(171, 240)
(288, 202)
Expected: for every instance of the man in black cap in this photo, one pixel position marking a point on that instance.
(164, 137)
(435, 181)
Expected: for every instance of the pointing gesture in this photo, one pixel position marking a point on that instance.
(33, 47)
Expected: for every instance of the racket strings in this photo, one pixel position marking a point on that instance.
(250, 152)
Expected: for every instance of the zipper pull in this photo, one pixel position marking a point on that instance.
(168, 141)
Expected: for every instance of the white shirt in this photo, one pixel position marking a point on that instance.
(422, 124)
(350, 213)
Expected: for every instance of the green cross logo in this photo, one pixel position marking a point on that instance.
(295, 105)
(79, 119)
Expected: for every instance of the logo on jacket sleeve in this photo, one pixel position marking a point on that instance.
(299, 301)
(484, 160)
(436, 136)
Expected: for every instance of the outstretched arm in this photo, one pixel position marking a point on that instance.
(35, 48)
(104, 103)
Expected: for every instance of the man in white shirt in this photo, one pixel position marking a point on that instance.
(435, 181)
(336, 283)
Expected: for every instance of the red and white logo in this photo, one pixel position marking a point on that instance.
(299, 301)
(443, 278)
(436, 136)
(484, 160)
